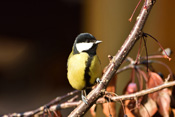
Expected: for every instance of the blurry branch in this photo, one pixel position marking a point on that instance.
(49, 105)
(117, 60)
(42, 109)
(60, 98)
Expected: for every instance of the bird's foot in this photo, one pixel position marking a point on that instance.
(98, 80)
(84, 99)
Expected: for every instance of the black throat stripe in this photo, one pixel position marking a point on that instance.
(86, 74)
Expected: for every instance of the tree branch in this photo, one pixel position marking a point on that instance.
(99, 101)
(143, 92)
(117, 60)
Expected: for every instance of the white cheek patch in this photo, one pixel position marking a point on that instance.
(83, 46)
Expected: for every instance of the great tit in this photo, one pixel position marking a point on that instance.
(83, 64)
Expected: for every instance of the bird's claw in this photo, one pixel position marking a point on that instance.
(98, 80)
(84, 99)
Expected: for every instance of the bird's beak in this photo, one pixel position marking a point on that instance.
(98, 41)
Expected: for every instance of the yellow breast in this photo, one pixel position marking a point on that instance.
(76, 70)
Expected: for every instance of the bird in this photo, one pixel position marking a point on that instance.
(83, 65)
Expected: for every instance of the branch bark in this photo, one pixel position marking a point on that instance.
(117, 60)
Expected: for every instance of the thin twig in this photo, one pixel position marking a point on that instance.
(143, 92)
(146, 34)
(60, 98)
(146, 50)
(48, 105)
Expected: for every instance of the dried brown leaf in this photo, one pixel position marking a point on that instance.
(172, 113)
(163, 101)
(173, 97)
(153, 81)
(127, 109)
(129, 113)
(93, 110)
(129, 104)
(148, 109)
(110, 108)
(162, 97)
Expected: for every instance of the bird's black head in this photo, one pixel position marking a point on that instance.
(85, 42)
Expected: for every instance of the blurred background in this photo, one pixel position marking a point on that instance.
(36, 39)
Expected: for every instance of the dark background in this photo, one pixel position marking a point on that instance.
(35, 41)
